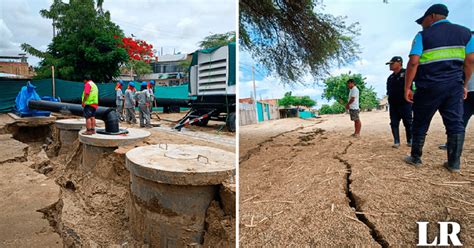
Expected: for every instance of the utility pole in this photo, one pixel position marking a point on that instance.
(255, 93)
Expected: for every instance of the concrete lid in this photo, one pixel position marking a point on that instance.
(181, 164)
(102, 140)
(74, 124)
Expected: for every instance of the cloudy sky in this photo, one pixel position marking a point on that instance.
(171, 25)
(386, 30)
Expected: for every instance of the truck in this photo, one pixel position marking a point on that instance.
(212, 85)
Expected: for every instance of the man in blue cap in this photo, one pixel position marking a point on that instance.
(441, 62)
(400, 109)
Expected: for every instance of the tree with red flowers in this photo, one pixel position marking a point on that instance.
(140, 54)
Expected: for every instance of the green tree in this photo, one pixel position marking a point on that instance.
(335, 108)
(86, 42)
(140, 67)
(290, 100)
(287, 100)
(305, 101)
(291, 38)
(336, 88)
(217, 40)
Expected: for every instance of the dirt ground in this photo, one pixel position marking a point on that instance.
(47, 199)
(308, 183)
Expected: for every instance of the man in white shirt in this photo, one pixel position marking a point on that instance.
(353, 106)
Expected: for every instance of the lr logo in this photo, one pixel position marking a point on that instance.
(444, 235)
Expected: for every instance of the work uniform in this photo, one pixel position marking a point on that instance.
(92, 102)
(400, 109)
(151, 99)
(119, 98)
(130, 106)
(142, 98)
(439, 85)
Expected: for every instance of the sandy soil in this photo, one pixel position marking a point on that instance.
(90, 209)
(314, 185)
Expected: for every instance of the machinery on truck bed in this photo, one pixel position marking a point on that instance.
(212, 77)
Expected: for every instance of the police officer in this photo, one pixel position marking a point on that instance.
(400, 109)
(437, 58)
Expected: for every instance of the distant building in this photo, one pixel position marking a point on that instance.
(383, 104)
(169, 70)
(16, 67)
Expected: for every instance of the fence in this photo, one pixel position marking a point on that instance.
(69, 90)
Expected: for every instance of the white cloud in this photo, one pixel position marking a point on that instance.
(169, 25)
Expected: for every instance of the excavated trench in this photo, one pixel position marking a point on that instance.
(92, 209)
(354, 201)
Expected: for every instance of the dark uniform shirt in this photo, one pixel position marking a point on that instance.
(396, 88)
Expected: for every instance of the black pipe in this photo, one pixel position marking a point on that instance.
(108, 115)
(160, 102)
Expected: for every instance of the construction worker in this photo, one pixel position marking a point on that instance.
(119, 98)
(353, 107)
(90, 103)
(151, 93)
(142, 98)
(400, 109)
(437, 58)
(130, 104)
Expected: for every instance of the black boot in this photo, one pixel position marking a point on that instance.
(416, 151)
(396, 137)
(455, 144)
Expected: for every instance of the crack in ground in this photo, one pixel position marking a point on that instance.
(257, 149)
(354, 204)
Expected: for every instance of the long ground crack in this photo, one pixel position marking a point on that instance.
(259, 146)
(355, 204)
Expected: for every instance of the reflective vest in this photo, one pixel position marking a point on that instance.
(442, 59)
(93, 95)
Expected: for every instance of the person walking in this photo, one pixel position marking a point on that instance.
(130, 104)
(119, 98)
(441, 58)
(142, 98)
(353, 107)
(400, 109)
(90, 103)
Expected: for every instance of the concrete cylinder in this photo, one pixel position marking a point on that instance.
(69, 131)
(171, 189)
(97, 145)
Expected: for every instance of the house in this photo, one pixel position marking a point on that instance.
(383, 104)
(16, 67)
(264, 111)
(169, 70)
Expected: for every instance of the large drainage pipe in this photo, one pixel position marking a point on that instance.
(108, 115)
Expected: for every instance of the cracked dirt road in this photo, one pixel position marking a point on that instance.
(309, 184)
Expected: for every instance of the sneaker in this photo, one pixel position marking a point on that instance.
(411, 161)
(451, 169)
(396, 145)
(355, 135)
(443, 147)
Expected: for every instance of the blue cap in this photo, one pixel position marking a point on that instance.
(131, 84)
(120, 82)
(144, 83)
(152, 82)
(440, 9)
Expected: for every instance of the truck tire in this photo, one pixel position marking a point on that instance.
(230, 123)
